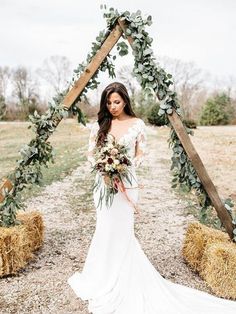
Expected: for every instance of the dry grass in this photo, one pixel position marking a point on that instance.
(69, 142)
(216, 146)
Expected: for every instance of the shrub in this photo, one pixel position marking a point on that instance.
(154, 118)
(192, 124)
(217, 110)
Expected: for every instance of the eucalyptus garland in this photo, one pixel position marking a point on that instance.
(39, 151)
(155, 83)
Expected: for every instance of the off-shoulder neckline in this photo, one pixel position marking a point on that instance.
(127, 131)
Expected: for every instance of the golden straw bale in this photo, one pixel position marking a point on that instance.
(17, 243)
(196, 238)
(218, 269)
(34, 227)
(13, 252)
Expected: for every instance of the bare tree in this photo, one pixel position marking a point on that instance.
(4, 81)
(5, 75)
(125, 74)
(188, 82)
(24, 89)
(228, 84)
(56, 70)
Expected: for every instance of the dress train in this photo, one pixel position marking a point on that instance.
(118, 277)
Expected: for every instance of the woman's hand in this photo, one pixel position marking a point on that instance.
(138, 159)
(107, 179)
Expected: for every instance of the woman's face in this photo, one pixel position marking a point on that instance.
(115, 104)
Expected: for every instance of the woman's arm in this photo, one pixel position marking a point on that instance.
(140, 149)
(92, 143)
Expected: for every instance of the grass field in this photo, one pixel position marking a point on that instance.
(216, 146)
(69, 142)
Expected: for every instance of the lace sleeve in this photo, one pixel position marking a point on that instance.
(92, 143)
(140, 149)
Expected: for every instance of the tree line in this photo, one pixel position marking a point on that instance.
(23, 90)
(202, 100)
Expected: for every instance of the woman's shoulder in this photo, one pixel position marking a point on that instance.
(139, 122)
(137, 126)
(136, 119)
(94, 124)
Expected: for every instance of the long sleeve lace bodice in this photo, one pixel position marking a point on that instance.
(92, 142)
(134, 139)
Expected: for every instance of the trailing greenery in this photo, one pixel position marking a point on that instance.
(192, 124)
(185, 174)
(156, 84)
(154, 118)
(217, 110)
(39, 151)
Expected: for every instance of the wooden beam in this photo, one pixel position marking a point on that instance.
(196, 162)
(81, 83)
(93, 66)
(5, 184)
(202, 172)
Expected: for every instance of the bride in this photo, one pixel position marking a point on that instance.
(117, 277)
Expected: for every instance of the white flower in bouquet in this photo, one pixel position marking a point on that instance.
(111, 162)
(116, 162)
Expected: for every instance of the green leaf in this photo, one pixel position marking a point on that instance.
(128, 32)
(164, 106)
(149, 20)
(147, 51)
(161, 112)
(228, 207)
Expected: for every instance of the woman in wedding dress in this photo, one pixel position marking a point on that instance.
(117, 277)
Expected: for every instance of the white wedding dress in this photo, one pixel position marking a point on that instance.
(117, 277)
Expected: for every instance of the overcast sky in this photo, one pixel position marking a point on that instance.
(202, 31)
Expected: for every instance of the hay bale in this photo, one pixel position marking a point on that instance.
(196, 238)
(18, 243)
(34, 228)
(12, 255)
(218, 269)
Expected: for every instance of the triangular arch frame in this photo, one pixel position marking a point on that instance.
(74, 93)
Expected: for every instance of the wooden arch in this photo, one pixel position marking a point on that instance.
(176, 122)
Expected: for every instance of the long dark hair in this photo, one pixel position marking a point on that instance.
(104, 116)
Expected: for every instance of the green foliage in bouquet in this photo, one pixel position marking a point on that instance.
(113, 164)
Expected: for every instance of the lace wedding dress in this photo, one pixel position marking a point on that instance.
(117, 277)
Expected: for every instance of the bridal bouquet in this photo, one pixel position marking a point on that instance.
(112, 162)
